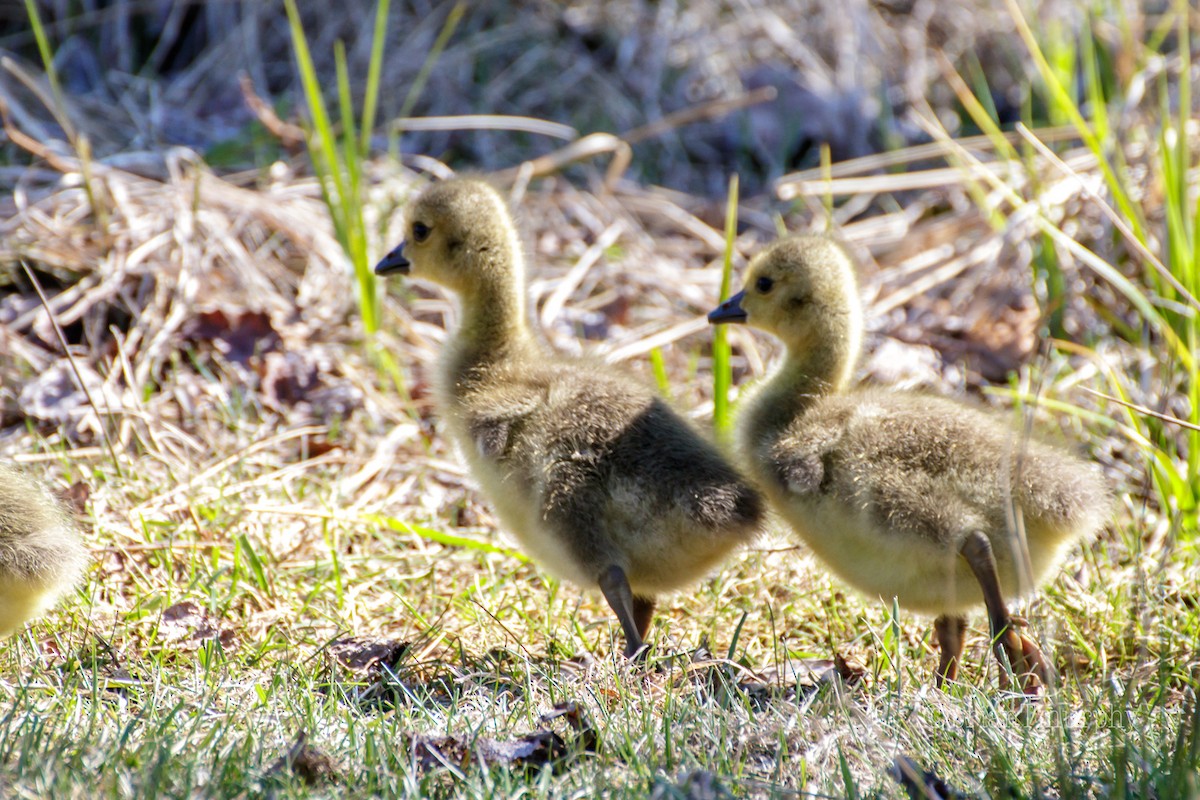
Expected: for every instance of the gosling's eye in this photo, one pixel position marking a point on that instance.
(764, 285)
(420, 231)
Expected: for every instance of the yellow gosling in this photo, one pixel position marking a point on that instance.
(597, 477)
(41, 552)
(936, 503)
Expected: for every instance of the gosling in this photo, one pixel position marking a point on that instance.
(41, 553)
(600, 481)
(930, 501)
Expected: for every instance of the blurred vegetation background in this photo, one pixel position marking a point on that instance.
(157, 73)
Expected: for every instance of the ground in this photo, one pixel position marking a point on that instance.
(297, 589)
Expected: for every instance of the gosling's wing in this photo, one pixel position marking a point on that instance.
(905, 464)
(497, 416)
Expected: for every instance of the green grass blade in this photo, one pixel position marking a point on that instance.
(418, 84)
(355, 234)
(79, 142)
(980, 89)
(374, 71)
(349, 148)
(661, 379)
(827, 176)
(335, 556)
(1183, 13)
(737, 634)
(255, 563)
(322, 127)
(1060, 98)
(1093, 83)
(722, 368)
(850, 786)
(339, 168)
(43, 46)
(447, 539)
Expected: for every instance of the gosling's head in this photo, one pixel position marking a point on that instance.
(801, 289)
(457, 233)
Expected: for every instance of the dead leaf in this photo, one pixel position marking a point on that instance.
(851, 674)
(1004, 341)
(287, 378)
(696, 785)
(537, 749)
(55, 395)
(295, 378)
(311, 765)
(920, 784)
(534, 750)
(369, 654)
(237, 336)
(187, 626)
(76, 497)
(587, 739)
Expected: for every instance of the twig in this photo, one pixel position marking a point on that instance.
(62, 340)
(487, 122)
(709, 110)
(908, 155)
(660, 339)
(289, 135)
(1143, 410)
(29, 144)
(554, 304)
(589, 146)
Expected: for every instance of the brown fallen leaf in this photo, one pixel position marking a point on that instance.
(76, 496)
(793, 680)
(236, 335)
(533, 751)
(921, 784)
(187, 626)
(311, 765)
(55, 396)
(696, 785)
(369, 654)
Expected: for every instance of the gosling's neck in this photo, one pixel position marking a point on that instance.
(493, 326)
(821, 365)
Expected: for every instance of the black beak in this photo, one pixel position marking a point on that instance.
(393, 262)
(729, 311)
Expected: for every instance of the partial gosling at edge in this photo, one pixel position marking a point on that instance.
(41, 552)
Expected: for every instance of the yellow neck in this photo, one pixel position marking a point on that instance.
(493, 327)
(822, 365)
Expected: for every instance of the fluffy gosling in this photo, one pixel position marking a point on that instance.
(597, 477)
(41, 552)
(903, 495)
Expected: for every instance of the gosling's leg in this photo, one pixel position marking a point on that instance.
(643, 613)
(949, 631)
(1021, 653)
(632, 612)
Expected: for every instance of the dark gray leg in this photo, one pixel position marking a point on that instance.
(949, 632)
(1011, 648)
(615, 586)
(643, 613)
